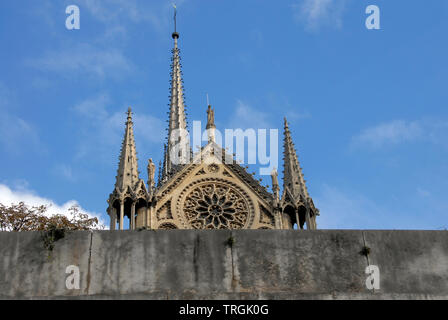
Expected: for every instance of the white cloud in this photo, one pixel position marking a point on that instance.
(157, 13)
(10, 196)
(294, 115)
(401, 131)
(149, 128)
(250, 118)
(246, 116)
(103, 129)
(317, 13)
(16, 134)
(94, 108)
(4, 95)
(340, 210)
(423, 192)
(85, 59)
(44, 11)
(65, 171)
(393, 132)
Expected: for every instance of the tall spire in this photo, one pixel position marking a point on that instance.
(177, 128)
(127, 174)
(292, 172)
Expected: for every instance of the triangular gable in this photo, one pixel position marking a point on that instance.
(287, 198)
(140, 190)
(214, 154)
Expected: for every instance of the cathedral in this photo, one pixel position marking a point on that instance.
(205, 190)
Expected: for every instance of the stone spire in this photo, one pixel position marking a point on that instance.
(177, 127)
(292, 172)
(127, 174)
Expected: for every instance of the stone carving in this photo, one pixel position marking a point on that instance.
(200, 172)
(226, 173)
(151, 173)
(216, 206)
(213, 168)
(168, 226)
(165, 212)
(266, 216)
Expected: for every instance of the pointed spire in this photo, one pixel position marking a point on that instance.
(177, 127)
(177, 117)
(127, 174)
(292, 175)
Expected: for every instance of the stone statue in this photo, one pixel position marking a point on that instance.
(275, 186)
(151, 173)
(274, 176)
(210, 117)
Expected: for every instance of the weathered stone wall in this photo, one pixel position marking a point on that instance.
(260, 264)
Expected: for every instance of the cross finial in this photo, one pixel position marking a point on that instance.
(175, 35)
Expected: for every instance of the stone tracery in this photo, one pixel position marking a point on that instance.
(216, 205)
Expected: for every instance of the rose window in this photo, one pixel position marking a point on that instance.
(216, 206)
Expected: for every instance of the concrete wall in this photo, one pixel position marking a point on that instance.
(261, 264)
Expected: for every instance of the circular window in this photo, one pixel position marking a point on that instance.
(216, 205)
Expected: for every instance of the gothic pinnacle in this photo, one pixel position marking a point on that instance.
(293, 176)
(127, 174)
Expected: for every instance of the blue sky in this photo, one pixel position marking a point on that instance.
(367, 108)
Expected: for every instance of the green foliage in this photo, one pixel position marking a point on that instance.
(230, 241)
(52, 235)
(21, 217)
(365, 251)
